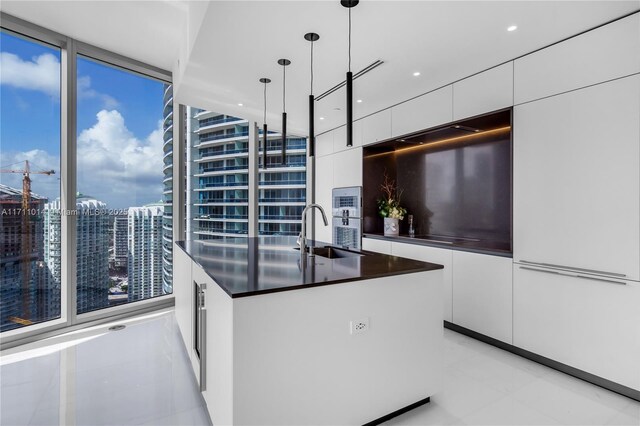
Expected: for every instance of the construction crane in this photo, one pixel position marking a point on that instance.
(25, 248)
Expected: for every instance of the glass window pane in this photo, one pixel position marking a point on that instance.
(124, 186)
(29, 182)
(217, 179)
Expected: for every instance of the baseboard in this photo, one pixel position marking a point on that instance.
(564, 368)
(398, 412)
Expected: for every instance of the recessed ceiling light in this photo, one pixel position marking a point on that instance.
(321, 118)
(240, 104)
(359, 101)
(417, 73)
(512, 28)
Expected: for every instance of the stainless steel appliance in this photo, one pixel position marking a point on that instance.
(346, 209)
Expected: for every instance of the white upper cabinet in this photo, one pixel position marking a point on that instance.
(482, 294)
(376, 127)
(577, 179)
(485, 92)
(324, 144)
(340, 137)
(596, 56)
(347, 168)
(429, 110)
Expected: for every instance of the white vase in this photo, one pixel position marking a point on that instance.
(391, 227)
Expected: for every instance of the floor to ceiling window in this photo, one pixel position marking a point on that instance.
(30, 179)
(218, 151)
(86, 183)
(121, 193)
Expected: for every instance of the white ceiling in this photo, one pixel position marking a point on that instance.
(148, 31)
(226, 46)
(239, 42)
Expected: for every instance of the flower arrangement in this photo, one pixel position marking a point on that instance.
(389, 205)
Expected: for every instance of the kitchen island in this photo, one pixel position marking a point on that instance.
(339, 337)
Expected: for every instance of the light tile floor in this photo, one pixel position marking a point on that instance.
(141, 375)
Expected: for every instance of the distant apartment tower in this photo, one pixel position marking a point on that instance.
(92, 256)
(145, 263)
(167, 224)
(31, 299)
(120, 229)
(218, 167)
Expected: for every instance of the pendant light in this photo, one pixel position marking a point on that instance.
(349, 4)
(284, 63)
(312, 137)
(264, 124)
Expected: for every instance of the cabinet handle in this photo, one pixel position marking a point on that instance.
(573, 275)
(601, 279)
(593, 271)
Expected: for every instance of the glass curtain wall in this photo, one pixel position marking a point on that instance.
(123, 174)
(30, 180)
(217, 179)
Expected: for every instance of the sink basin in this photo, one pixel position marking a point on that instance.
(334, 252)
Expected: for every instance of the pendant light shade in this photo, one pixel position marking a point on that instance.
(264, 124)
(284, 63)
(349, 4)
(312, 137)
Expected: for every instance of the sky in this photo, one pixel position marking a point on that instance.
(119, 125)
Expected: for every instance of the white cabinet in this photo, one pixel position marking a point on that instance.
(423, 112)
(183, 294)
(324, 144)
(376, 127)
(484, 92)
(608, 52)
(340, 137)
(482, 291)
(577, 179)
(324, 185)
(347, 168)
(375, 245)
(433, 255)
(588, 324)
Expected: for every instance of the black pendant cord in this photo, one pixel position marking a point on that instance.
(349, 92)
(284, 63)
(284, 116)
(312, 37)
(264, 125)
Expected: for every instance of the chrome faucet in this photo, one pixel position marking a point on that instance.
(303, 233)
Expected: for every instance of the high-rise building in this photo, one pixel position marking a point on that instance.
(145, 265)
(23, 299)
(92, 256)
(167, 224)
(218, 168)
(120, 230)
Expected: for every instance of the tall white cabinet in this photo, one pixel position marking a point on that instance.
(577, 179)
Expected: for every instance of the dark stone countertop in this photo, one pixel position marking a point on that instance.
(493, 248)
(252, 266)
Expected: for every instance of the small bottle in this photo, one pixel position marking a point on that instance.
(412, 230)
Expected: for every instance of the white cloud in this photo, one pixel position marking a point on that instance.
(42, 73)
(86, 92)
(117, 167)
(114, 165)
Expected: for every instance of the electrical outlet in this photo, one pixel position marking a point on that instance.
(359, 326)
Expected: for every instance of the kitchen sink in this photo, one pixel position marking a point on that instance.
(334, 252)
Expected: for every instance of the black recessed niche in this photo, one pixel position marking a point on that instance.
(456, 181)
